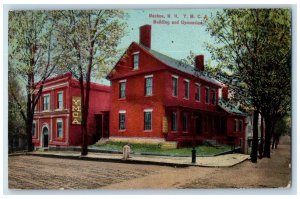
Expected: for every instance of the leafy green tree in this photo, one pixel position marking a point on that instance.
(255, 44)
(31, 59)
(16, 124)
(88, 40)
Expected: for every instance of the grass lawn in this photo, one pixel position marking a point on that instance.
(156, 149)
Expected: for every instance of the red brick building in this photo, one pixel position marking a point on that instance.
(156, 96)
(57, 115)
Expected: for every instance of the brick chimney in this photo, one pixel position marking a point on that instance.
(145, 35)
(199, 62)
(225, 92)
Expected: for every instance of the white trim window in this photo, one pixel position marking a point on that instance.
(185, 122)
(122, 120)
(235, 125)
(206, 95)
(60, 100)
(148, 85)
(122, 89)
(213, 97)
(174, 86)
(33, 130)
(148, 119)
(241, 126)
(136, 60)
(46, 102)
(59, 128)
(186, 89)
(198, 93)
(174, 121)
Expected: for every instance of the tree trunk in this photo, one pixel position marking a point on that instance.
(267, 152)
(28, 133)
(84, 149)
(262, 139)
(29, 115)
(255, 137)
(83, 119)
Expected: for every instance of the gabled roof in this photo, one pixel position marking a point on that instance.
(228, 107)
(179, 65)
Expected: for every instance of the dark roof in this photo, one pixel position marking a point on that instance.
(179, 65)
(228, 107)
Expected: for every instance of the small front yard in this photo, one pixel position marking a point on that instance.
(156, 149)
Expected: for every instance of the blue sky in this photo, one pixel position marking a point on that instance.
(175, 40)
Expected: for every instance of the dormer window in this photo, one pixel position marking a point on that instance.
(136, 60)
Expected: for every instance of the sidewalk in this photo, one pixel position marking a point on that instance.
(227, 160)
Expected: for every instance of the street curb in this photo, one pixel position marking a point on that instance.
(129, 161)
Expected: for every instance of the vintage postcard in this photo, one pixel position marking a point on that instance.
(135, 99)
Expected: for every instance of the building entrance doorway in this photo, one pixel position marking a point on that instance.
(102, 126)
(45, 137)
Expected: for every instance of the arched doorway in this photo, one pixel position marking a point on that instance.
(45, 137)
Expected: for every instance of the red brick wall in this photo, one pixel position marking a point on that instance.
(170, 100)
(134, 105)
(230, 128)
(99, 101)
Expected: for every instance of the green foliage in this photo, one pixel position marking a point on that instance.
(283, 126)
(255, 44)
(88, 39)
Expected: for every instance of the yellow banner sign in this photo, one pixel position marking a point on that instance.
(76, 110)
(165, 125)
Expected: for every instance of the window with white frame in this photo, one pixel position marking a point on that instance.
(136, 59)
(59, 128)
(185, 122)
(175, 86)
(148, 85)
(122, 120)
(235, 125)
(148, 119)
(206, 95)
(122, 89)
(197, 93)
(174, 121)
(33, 128)
(241, 126)
(213, 97)
(186, 89)
(60, 100)
(46, 102)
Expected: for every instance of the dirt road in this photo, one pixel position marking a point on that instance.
(30, 172)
